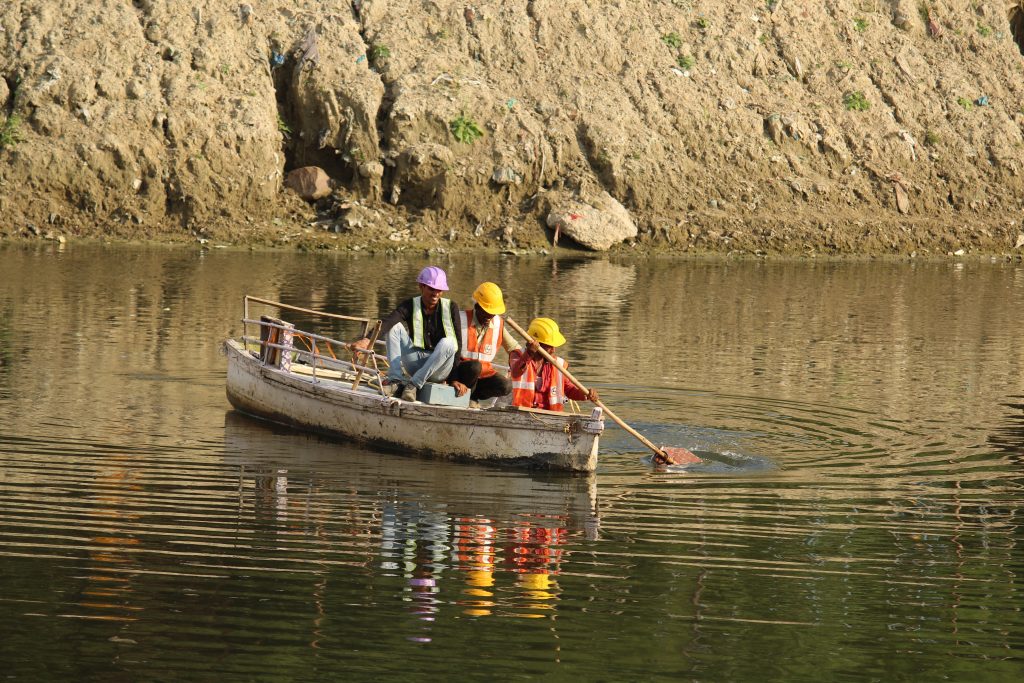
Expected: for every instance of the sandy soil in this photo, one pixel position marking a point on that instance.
(860, 127)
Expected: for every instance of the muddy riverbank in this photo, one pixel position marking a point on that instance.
(840, 128)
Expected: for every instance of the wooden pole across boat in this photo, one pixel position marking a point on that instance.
(668, 456)
(372, 359)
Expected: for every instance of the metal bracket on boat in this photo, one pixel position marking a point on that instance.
(391, 405)
(594, 423)
(572, 430)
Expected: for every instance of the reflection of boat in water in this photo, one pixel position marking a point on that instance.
(262, 450)
(313, 389)
(489, 541)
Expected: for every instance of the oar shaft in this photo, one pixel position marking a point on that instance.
(640, 437)
(629, 429)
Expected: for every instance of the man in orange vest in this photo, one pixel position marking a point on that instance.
(535, 382)
(483, 332)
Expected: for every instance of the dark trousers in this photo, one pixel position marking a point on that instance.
(468, 372)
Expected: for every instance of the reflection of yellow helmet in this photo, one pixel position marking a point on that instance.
(545, 330)
(480, 578)
(488, 295)
(535, 582)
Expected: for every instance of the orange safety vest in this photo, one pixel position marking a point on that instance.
(488, 348)
(524, 388)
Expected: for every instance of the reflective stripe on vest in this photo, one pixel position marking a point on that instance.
(524, 389)
(417, 321)
(557, 395)
(489, 344)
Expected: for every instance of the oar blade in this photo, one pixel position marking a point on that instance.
(679, 456)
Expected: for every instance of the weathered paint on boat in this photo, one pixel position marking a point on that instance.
(326, 406)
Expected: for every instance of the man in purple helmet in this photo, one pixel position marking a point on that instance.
(426, 344)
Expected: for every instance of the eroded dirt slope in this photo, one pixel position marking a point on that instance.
(837, 126)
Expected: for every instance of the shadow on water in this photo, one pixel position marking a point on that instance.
(1009, 437)
(6, 353)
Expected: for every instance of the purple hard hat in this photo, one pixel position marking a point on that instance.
(434, 277)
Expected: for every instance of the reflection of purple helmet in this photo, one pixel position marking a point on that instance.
(434, 277)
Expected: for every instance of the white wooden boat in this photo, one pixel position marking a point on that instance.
(315, 389)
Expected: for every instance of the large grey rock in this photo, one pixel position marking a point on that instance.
(596, 224)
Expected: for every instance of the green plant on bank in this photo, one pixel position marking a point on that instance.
(856, 101)
(283, 127)
(965, 103)
(465, 130)
(859, 24)
(10, 131)
(379, 53)
(672, 40)
(703, 23)
(844, 65)
(984, 31)
(931, 138)
(770, 4)
(685, 62)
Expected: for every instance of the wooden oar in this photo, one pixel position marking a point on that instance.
(668, 456)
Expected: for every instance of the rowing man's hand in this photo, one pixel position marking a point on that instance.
(592, 396)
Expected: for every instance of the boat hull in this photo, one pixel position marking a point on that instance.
(333, 408)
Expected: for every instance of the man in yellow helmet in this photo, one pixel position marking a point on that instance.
(483, 332)
(535, 382)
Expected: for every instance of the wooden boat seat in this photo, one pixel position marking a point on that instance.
(342, 376)
(321, 373)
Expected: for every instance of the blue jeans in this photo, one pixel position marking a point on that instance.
(424, 366)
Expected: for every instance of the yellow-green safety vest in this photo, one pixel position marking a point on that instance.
(417, 321)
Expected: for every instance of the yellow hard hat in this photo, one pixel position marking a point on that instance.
(545, 330)
(488, 295)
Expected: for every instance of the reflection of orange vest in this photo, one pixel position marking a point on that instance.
(536, 550)
(524, 387)
(488, 348)
(474, 542)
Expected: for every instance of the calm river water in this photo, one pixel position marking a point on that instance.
(857, 518)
